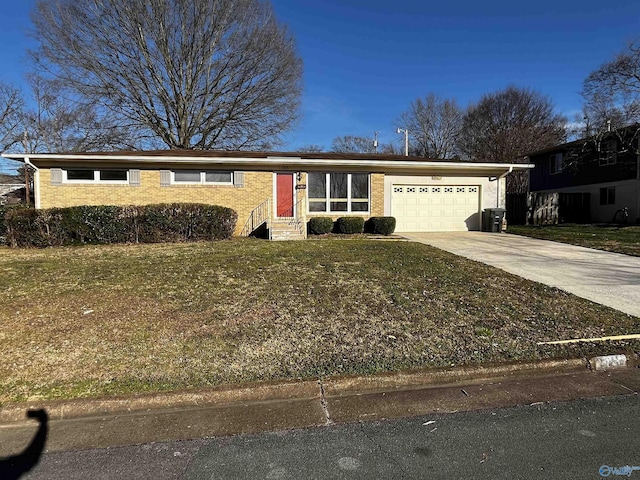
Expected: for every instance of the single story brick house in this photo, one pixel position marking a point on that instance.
(281, 189)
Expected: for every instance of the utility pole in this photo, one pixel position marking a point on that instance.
(406, 140)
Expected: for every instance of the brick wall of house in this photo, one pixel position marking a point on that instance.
(377, 195)
(258, 186)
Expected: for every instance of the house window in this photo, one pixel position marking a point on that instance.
(83, 175)
(112, 175)
(208, 177)
(555, 163)
(608, 153)
(338, 192)
(608, 196)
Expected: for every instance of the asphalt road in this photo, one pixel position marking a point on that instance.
(552, 440)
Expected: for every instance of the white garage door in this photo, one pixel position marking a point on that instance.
(429, 208)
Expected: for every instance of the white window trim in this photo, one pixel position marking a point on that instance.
(612, 155)
(328, 199)
(203, 178)
(96, 177)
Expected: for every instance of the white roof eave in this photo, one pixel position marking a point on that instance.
(281, 162)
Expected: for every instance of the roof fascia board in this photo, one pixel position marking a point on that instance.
(274, 161)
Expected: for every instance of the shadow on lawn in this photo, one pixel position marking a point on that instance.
(12, 468)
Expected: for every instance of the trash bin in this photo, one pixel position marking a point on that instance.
(492, 220)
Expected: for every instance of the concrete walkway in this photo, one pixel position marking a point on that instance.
(611, 279)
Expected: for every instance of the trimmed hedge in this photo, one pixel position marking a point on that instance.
(3, 224)
(319, 225)
(381, 225)
(350, 225)
(175, 222)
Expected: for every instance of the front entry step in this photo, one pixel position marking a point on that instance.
(288, 230)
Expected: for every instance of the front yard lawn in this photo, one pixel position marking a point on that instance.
(99, 320)
(620, 239)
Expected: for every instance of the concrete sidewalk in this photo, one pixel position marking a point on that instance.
(610, 279)
(85, 424)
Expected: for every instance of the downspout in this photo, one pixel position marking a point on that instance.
(36, 182)
(499, 192)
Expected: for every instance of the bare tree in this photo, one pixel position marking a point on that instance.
(435, 125)
(198, 74)
(505, 126)
(11, 107)
(311, 148)
(54, 122)
(352, 144)
(612, 93)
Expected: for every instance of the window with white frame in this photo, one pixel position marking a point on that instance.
(208, 177)
(336, 192)
(85, 175)
(608, 153)
(555, 163)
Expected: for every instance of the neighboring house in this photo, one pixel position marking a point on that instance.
(11, 189)
(282, 189)
(606, 166)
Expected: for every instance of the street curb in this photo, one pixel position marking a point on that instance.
(453, 376)
(278, 391)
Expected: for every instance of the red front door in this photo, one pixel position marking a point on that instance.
(284, 193)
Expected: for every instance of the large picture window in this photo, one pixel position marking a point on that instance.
(336, 192)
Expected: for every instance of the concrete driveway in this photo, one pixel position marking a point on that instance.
(610, 279)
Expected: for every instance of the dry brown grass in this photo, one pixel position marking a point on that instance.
(87, 321)
(611, 238)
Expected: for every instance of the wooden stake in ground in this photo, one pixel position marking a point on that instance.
(634, 336)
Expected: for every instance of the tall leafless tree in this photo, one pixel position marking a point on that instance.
(54, 122)
(352, 144)
(612, 93)
(506, 125)
(198, 74)
(311, 148)
(435, 125)
(11, 108)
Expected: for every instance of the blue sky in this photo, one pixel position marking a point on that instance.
(366, 60)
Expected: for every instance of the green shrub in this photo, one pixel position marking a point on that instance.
(320, 225)
(30, 228)
(381, 225)
(96, 224)
(174, 222)
(350, 225)
(3, 224)
(112, 224)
